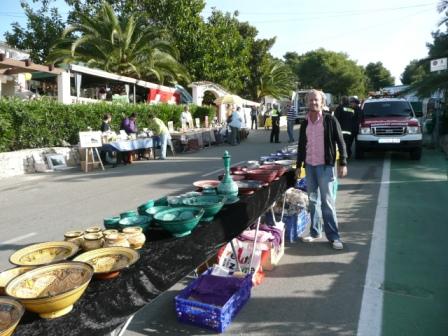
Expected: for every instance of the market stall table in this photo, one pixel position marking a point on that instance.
(131, 145)
(202, 135)
(108, 304)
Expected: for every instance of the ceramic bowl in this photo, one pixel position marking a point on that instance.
(206, 184)
(211, 204)
(130, 213)
(142, 208)
(261, 175)
(7, 275)
(155, 209)
(286, 163)
(278, 168)
(51, 290)
(141, 221)
(111, 222)
(44, 253)
(75, 236)
(248, 187)
(11, 312)
(179, 221)
(93, 229)
(107, 262)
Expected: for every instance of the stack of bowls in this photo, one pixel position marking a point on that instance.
(211, 204)
(179, 221)
(145, 206)
(140, 221)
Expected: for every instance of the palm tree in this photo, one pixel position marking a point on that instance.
(276, 80)
(125, 46)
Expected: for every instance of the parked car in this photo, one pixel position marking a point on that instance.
(389, 124)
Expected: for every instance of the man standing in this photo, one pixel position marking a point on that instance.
(348, 119)
(319, 134)
(275, 132)
(291, 118)
(159, 128)
(186, 118)
(254, 117)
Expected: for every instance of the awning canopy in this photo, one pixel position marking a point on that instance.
(9, 66)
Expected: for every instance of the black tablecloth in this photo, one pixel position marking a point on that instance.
(164, 261)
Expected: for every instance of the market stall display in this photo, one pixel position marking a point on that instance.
(179, 221)
(163, 262)
(211, 204)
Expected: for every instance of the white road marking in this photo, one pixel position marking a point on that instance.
(221, 169)
(19, 238)
(370, 317)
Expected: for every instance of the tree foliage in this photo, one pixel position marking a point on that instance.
(121, 45)
(378, 76)
(414, 72)
(42, 26)
(327, 70)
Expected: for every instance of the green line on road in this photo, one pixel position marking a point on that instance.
(416, 272)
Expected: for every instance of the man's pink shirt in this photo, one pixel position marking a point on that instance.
(315, 152)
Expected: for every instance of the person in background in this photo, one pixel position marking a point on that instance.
(319, 135)
(235, 126)
(254, 117)
(291, 118)
(129, 124)
(159, 128)
(186, 118)
(105, 125)
(348, 120)
(275, 132)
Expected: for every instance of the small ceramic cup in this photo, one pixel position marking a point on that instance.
(92, 241)
(76, 237)
(93, 229)
(135, 236)
(116, 239)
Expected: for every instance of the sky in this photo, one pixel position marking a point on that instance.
(393, 32)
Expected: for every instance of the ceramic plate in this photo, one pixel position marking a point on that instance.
(44, 253)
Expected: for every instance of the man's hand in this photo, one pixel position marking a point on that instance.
(342, 171)
(298, 173)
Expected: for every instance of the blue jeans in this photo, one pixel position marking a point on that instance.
(291, 124)
(321, 179)
(163, 144)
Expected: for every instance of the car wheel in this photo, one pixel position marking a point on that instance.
(416, 154)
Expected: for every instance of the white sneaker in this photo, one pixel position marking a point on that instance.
(310, 239)
(337, 244)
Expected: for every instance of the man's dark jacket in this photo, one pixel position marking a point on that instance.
(332, 136)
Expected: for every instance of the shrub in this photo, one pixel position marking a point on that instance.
(47, 123)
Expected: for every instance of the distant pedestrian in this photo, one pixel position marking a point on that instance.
(159, 129)
(254, 117)
(291, 119)
(348, 120)
(235, 126)
(319, 135)
(275, 116)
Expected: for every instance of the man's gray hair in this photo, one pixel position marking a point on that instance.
(318, 93)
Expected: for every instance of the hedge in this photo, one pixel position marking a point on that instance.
(47, 123)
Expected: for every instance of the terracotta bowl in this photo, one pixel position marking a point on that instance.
(278, 168)
(107, 262)
(44, 253)
(11, 312)
(205, 184)
(264, 175)
(51, 290)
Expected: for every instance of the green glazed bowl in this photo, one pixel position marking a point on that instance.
(130, 213)
(155, 209)
(141, 221)
(179, 221)
(163, 201)
(211, 204)
(142, 208)
(111, 222)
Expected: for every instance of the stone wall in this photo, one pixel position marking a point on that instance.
(23, 161)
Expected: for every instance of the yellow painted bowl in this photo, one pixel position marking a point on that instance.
(11, 312)
(44, 253)
(8, 275)
(51, 290)
(109, 261)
